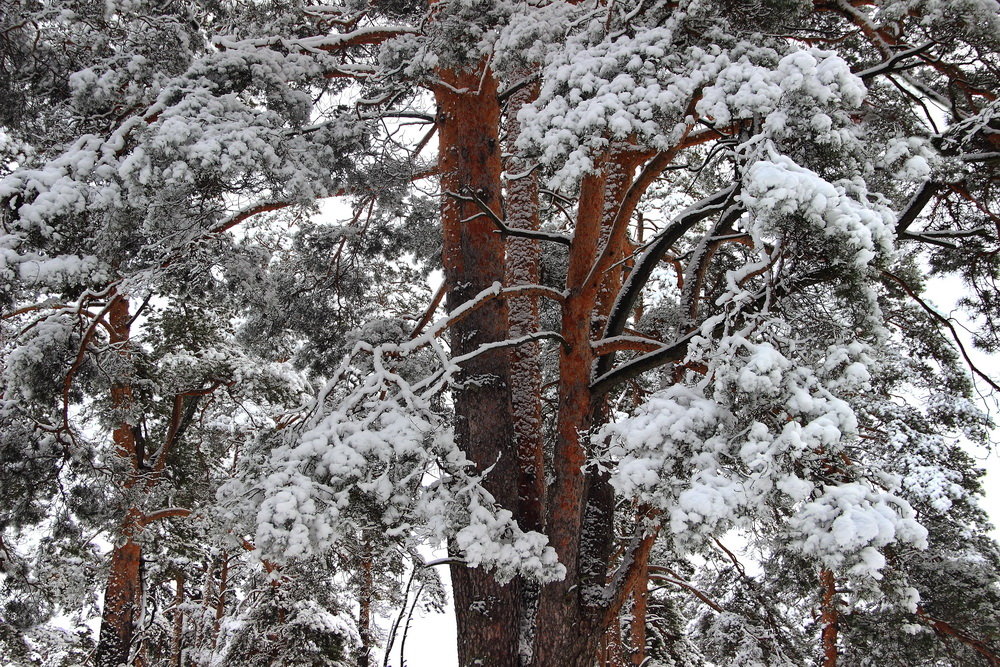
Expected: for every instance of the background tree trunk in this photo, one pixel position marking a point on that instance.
(177, 639)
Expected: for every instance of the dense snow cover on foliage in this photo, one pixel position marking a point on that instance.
(644, 347)
(711, 468)
(383, 441)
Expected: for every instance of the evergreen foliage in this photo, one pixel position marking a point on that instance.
(682, 397)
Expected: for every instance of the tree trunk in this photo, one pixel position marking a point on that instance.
(565, 634)
(523, 255)
(122, 598)
(123, 592)
(830, 618)
(473, 256)
(574, 614)
(220, 600)
(640, 609)
(177, 640)
(523, 268)
(366, 590)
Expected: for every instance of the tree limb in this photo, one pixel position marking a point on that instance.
(503, 227)
(947, 323)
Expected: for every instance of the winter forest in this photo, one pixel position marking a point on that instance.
(620, 329)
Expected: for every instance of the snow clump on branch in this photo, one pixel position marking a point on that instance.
(763, 436)
(376, 456)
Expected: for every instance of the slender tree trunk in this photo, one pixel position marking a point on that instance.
(220, 600)
(473, 255)
(365, 591)
(573, 614)
(123, 592)
(598, 529)
(830, 618)
(565, 635)
(177, 640)
(640, 609)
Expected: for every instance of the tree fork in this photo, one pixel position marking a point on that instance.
(571, 612)
(598, 525)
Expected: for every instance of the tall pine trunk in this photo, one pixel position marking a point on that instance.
(498, 408)
(565, 632)
(487, 613)
(123, 591)
(524, 268)
(575, 614)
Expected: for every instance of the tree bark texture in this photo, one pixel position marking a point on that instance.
(830, 618)
(487, 613)
(640, 610)
(575, 614)
(177, 639)
(498, 406)
(366, 589)
(122, 597)
(123, 592)
(523, 268)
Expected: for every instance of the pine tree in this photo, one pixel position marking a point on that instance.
(684, 249)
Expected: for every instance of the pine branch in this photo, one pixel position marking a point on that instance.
(657, 248)
(503, 227)
(947, 323)
(890, 65)
(660, 573)
(945, 629)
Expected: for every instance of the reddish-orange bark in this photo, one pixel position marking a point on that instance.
(487, 613)
(576, 356)
(829, 618)
(123, 592)
(640, 608)
(945, 629)
(121, 605)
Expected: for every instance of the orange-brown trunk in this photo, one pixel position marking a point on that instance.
(487, 613)
(123, 591)
(640, 608)
(829, 618)
(122, 598)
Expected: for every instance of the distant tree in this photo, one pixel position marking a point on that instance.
(132, 374)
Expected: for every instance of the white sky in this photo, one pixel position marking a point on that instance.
(944, 293)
